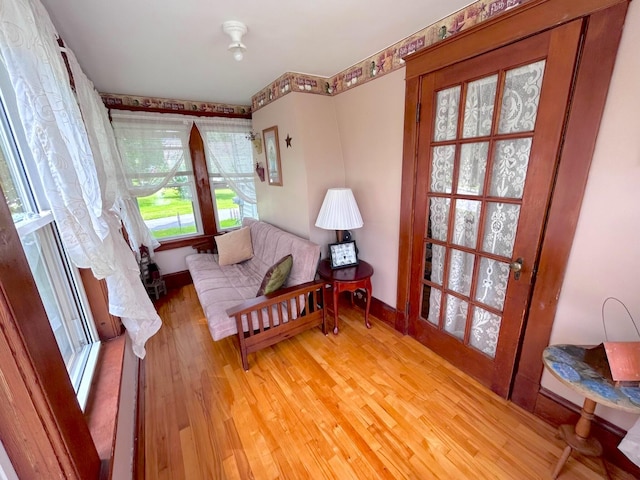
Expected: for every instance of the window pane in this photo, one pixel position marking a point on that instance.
(159, 171)
(57, 293)
(442, 168)
(230, 207)
(510, 164)
(466, 221)
(57, 282)
(478, 109)
(521, 98)
(447, 104)
(10, 181)
(485, 329)
(231, 169)
(455, 319)
(170, 211)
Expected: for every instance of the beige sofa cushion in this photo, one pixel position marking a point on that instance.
(234, 247)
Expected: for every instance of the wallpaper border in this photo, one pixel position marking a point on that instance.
(181, 106)
(381, 63)
(385, 61)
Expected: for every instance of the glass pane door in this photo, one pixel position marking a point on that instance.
(487, 143)
(477, 179)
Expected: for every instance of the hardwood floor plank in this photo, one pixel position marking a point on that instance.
(364, 404)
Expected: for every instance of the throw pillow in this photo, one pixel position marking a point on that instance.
(276, 276)
(234, 246)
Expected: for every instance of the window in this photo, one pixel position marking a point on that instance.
(155, 150)
(230, 165)
(159, 172)
(57, 281)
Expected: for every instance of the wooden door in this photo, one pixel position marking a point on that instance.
(488, 145)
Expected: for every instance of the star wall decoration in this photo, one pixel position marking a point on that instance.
(288, 140)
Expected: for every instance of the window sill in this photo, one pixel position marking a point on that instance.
(102, 406)
(184, 242)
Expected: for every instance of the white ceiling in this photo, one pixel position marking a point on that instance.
(176, 49)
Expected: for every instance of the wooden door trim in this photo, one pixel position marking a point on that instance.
(602, 37)
(529, 19)
(604, 20)
(409, 168)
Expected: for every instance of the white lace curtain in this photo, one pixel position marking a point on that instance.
(229, 153)
(153, 147)
(76, 161)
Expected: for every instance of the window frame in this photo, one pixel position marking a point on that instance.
(195, 205)
(43, 408)
(186, 168)
(63, 277)
(197, 149)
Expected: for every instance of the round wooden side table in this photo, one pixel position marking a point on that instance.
(567, 364)
(347, 279)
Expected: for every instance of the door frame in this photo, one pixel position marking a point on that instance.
(602, 27)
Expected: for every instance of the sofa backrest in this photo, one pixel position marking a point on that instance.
(270, 244)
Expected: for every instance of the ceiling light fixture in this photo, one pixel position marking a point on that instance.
(235, 30)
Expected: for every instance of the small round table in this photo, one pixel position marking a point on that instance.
(567, 363)
(347, 279)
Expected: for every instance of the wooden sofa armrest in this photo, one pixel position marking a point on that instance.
(279, 315)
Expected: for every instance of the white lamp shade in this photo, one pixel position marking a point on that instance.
(339, 211)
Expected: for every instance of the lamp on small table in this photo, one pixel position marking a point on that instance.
(340, 212)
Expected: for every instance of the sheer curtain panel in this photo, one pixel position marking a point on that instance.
(230, 160)
(72, 164)
(154, 148)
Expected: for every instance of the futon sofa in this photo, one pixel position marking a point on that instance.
(228, 292)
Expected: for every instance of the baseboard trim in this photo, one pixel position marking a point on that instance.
(139, 444)
(557, 411)
(379, 309)
(177, 279)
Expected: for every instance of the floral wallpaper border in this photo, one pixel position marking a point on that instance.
(386, 61)
(182, 106)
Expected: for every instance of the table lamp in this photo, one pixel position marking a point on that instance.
(339, 212)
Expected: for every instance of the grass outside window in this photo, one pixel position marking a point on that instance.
(170, 213)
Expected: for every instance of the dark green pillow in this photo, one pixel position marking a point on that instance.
(276, 276)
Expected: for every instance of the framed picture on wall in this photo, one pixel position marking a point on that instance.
(272, 152)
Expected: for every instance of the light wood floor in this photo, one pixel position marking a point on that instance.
(364, 404)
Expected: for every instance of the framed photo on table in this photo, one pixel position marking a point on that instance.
(272, 151)
(344, 254)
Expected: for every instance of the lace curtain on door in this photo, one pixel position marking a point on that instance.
(510, 160)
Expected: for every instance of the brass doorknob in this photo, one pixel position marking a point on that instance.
(516, 268)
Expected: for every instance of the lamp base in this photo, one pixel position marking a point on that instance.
(343, 236)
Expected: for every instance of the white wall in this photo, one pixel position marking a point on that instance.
(286, 205)
(312, 164)
(316, 117)
(605, 257)
(126, 426)
(171, 261)
(371, 125)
